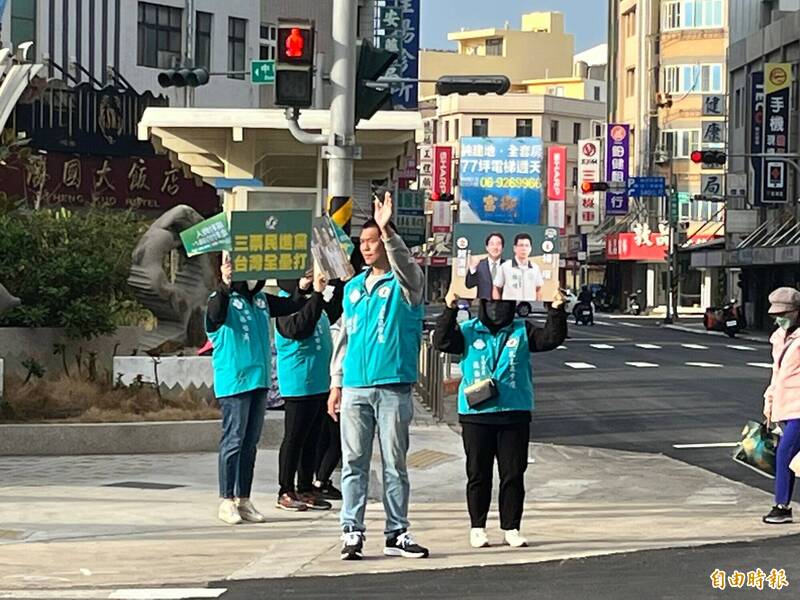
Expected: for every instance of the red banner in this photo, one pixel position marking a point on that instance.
(146, 184)
(442, 170)
(557, 173)
(630, 246)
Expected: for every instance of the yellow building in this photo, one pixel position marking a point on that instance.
(540, 49)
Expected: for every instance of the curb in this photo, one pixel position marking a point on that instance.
(748, 338)
(158, 437)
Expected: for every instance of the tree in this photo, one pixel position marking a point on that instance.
(70, 269)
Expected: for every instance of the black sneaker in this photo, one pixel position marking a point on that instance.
(353, 545)
(402, 544)
(313, 501)
(327, 491)
(778, 515)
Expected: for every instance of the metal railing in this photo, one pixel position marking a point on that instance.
(434, 368)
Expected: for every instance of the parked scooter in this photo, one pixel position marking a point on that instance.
(583, 314)
(634, 307)
(728, 319)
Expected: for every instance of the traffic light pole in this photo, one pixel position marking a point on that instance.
(341, 146)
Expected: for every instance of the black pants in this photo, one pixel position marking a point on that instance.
(302, 422)
(329, 449)
(509, 444)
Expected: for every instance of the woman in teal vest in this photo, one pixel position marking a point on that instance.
(305, 347)
(495, 400)
(237, 324)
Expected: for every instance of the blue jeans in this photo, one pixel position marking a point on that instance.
(242, 421)
(390, 408)
(788, 447)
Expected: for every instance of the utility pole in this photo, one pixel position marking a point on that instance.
(672, 256)
(341, 146)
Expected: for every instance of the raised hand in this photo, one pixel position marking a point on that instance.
(384, 211)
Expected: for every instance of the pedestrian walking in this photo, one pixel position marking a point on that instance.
(237, 325)
(495, 400)
(305, 347)
(372, 373)
(782, 398)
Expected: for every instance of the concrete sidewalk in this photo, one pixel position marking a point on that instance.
(697, 327)
(106, 522)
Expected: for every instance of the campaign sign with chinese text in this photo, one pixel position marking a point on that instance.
(588, 170)
(618, 150)
(777, 128)
(756, 136)
(212, 235)
(271, 244)
(397, 30)
(526, 271)
(410, 220)
(501, 180)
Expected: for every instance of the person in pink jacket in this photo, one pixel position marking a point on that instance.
(782, 398)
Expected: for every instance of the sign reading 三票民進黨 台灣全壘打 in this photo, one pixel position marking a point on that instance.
(271, 244)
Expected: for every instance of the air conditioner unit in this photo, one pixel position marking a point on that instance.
(664, 100)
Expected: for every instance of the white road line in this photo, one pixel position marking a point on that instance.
(561, 348)
(648, 346)
(601, 346)
(580, 365)
(713, 445)
(641, 365)
(760, 365)
(742, 348)
(166, 593)
(637, 326)
(695, 346)
(704, 365)
(603, 324)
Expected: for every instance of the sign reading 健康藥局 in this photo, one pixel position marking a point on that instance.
(501, 180)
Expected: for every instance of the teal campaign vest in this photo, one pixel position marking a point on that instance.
(513, 376)
(304, 366)
(241, 356)
(384, 334)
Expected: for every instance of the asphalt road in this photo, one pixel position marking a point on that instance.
(630, 384)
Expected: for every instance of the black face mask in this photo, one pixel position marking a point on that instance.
(496, 314)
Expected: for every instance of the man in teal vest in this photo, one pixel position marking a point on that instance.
(373, 369)
(495, 351)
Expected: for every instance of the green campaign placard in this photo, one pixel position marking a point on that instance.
(271, 244)
(211, 235)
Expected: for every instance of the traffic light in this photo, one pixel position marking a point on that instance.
(587, 187)
(294, 66)
(469, 84)
(183, 77)
(372, 64)
(713, 158)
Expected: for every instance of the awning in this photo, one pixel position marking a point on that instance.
(256, 143)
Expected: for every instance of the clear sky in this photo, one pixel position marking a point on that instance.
(585, 19)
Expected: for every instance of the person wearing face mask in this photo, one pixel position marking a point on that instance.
(237, 325)
(495, 400)
(782, 398)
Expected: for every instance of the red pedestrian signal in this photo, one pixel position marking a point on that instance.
(294, 64)
(295, 44)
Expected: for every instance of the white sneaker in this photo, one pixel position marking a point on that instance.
(478, 538)
(515, 540)
(248, 512)
(228, 512)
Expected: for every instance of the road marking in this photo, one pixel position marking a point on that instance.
(704, 365)
(760, 365)
(166, 593)
(712, 445)
(641, 365)
(601, 346)
(695, 346)
(561, 348)
(743, 348)
(648, 346)
(603, 324)
(637, 326)
(580, 365)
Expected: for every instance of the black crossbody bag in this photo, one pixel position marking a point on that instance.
(485, 389)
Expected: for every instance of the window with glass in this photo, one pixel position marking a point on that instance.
(524, 127)
(159, 36)
(597, 93)
(554, 130)
(693, 79)
(268, 44)
(202, 44)
(494, 47)
(480, 127)
(237, 39)
(685, 141)
(456, 129)
(630, 82)
(703, 210)
(576, 132)
(629, 19)
(692, 14)
(446, 131)
(23, 22)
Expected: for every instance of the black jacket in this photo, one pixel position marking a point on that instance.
(301, 325)
(217, 310)
(482, 279)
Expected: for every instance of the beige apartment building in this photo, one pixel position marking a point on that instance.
(664, 57)
(540, 49)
